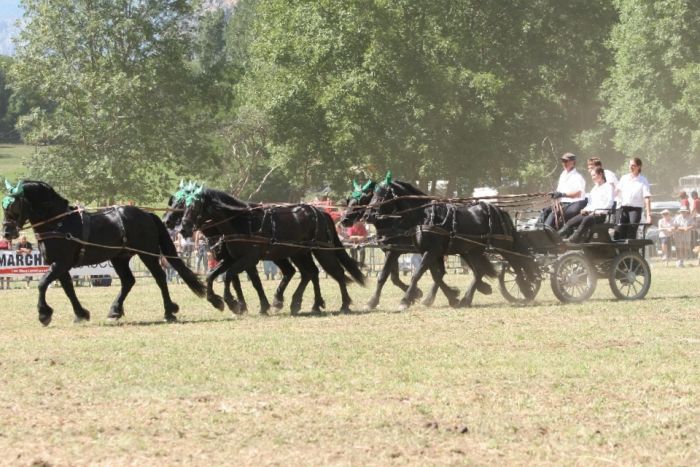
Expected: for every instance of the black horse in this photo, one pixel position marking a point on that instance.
(392, 245)
(253, 232)
(69, 237)
(308, 269)
(437, 229)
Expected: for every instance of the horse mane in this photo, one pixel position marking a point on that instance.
(409, 189)
(223, 201)
(48, 189)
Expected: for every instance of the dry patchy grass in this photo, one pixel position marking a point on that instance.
(596, 383)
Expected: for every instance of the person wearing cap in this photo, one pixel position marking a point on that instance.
(571, 192)
(634, 193)
(599, 205)
(666, 229)
(681, 237)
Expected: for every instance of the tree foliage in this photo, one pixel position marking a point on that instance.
(653, 92)
(125, 119)
(272, 98)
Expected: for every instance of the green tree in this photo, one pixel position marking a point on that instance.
(125, 121)
(652, 92)
(458, 90)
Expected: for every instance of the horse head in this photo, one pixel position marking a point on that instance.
(15, 210)
(360, 197)
(195, 201)
(176, 204)
(380, 205)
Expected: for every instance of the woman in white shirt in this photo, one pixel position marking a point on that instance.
(635, 194)
(599, 204)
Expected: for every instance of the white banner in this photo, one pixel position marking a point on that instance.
(14, 264)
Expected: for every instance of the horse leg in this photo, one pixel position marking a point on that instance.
(235, 306)
(430, 299)
(212, 298)
(153, 265)
(396, 277)
(45, 311)
(426, 261)
(480, 265)
(437, 270)
(81, 314)
(257, 285)
(329, 262)
(288, 272)
(391, 267)
(121, 267)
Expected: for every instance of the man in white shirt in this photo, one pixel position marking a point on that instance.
(634, 193)
(571, 192)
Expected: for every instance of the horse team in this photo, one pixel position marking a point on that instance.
(241, 234)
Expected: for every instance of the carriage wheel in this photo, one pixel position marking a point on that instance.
(630, 276)
(508, 285)
(573, 279)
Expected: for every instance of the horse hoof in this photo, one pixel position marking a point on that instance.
(484, 288)
(465, 303)
(232, 304)
(428, 301)
(345, 309)
(295, 308)
(113, 319)
(217, 302)
(277, 304)
(403, 307)
(372, 304)
(45, 319)
(170, 318)
(82, 315)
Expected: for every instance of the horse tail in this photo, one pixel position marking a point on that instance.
(167, 248)
(348, 263)
(342, 256)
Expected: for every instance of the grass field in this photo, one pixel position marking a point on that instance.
(604, 382)
(12, 158)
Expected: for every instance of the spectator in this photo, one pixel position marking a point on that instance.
(211, 261)
(683, 198)
(682, 234)
(635, 194)
(666, 229)
(270, 269)
(357, 235)
(695, 208)
(201, 246)
(5, 245)
(24, 248)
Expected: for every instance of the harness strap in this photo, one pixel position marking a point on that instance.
(86, 235)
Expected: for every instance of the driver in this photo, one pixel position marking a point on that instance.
(571, 191)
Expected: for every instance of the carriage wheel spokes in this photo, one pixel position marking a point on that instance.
(630, 276)
(573, 279)
(510, 289)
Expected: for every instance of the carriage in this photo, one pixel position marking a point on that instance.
(574, 268)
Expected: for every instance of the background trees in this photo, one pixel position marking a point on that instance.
(125, 117)
(273, 99)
